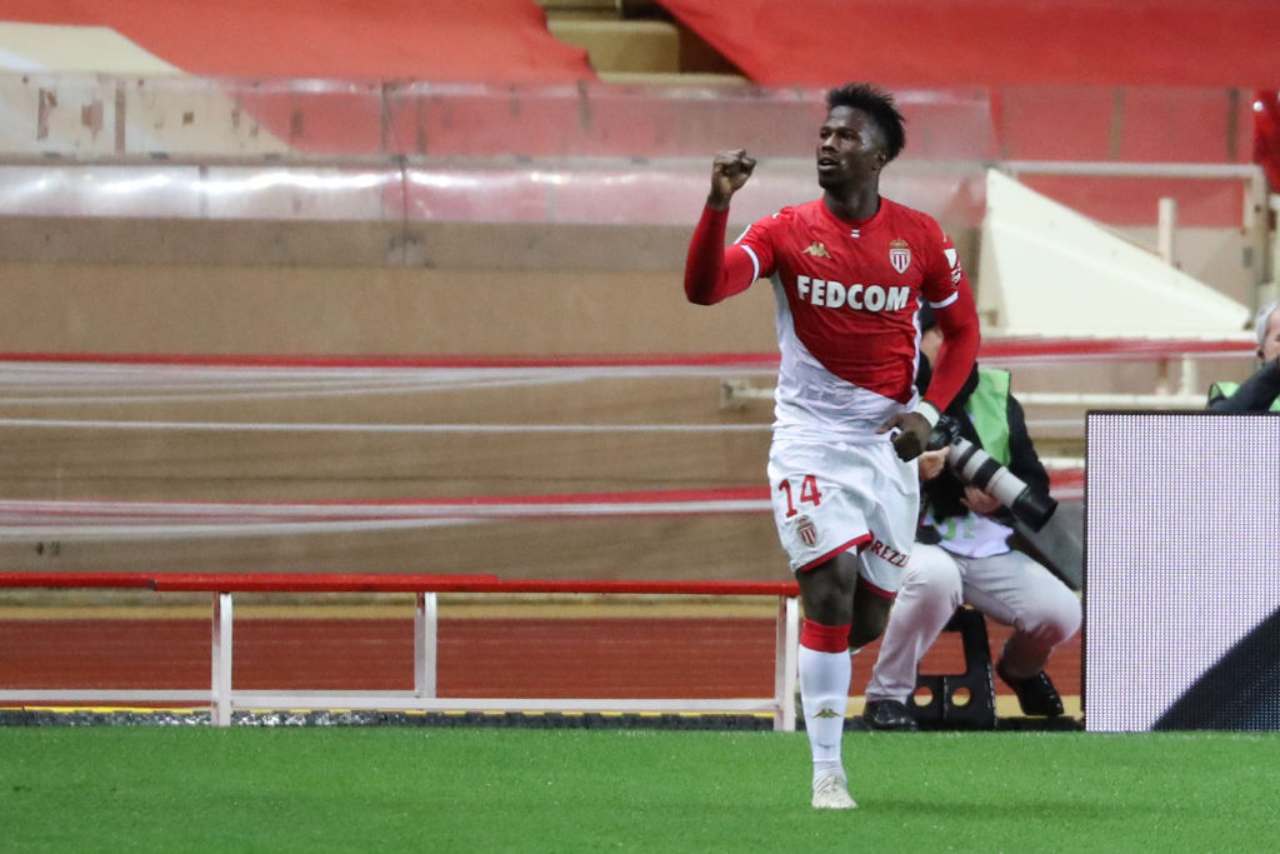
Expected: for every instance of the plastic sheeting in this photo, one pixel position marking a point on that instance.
(603, 191)
(100, 117)
(191, 148)
(335, 150)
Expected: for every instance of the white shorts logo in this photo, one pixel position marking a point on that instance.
(900, 255)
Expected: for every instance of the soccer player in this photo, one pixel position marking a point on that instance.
(849, 270)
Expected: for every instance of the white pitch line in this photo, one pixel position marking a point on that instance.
(103, 533)
(287, 427)
(153, 510)
(393, 385)
(391, 518)
(216, 394)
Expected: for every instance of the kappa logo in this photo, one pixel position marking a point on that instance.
(827, 713)
(899, 255)
(817, 250)
(807, 531)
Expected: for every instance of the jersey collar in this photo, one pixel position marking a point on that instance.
(856, 225)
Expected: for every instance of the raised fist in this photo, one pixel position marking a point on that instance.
(729, 172)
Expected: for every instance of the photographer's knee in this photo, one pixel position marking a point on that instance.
(933, 573)
(1054, 619)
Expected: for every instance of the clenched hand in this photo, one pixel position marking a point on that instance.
(729, 172)
(913, 433)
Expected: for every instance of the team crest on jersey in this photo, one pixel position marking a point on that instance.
(807, 531)
(899, 255)
(817, 250)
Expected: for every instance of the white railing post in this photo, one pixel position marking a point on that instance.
(1166, 230)
(785, 662)
(1189, 378)
(425, 622)
(220, 708)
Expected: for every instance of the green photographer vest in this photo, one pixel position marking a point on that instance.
(1221, 390)
(988, 409)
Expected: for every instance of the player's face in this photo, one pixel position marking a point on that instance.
(1271, 343)
(850, 148)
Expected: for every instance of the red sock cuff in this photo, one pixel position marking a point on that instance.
(822, 638)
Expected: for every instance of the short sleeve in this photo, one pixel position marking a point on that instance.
(758, 241)
(944, 276)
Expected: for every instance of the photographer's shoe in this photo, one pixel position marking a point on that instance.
(1036, 694)
(889, 715)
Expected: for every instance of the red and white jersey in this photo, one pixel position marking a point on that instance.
(847, 295)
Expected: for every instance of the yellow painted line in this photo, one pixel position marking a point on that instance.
(447, 611)
(106, 710)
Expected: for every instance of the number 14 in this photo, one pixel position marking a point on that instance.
(809, 492)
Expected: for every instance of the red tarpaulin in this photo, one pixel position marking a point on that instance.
(994, 42)
(440, 40)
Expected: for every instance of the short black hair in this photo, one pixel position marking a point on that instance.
(879, 105)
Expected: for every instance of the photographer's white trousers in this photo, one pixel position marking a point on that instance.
(1010, 588)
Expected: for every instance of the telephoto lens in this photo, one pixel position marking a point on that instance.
(975, 466)
(978, 468)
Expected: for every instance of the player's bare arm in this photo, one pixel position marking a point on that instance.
(730, 171)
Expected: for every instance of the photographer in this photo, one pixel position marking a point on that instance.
(1261, 392)
(962, 555)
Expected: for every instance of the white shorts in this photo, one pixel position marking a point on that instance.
(834, 497)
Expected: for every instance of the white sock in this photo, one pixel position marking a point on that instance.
(824, 692)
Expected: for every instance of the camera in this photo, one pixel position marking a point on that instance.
(976, 467)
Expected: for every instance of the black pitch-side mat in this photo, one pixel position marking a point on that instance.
(320, 718)
(508, 720)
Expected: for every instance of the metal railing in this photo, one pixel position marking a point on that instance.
(224, 698)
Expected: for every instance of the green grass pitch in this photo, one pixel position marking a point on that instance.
(408, 789)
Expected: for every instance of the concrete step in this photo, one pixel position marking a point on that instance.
(697, 80)
(635, 41)
(614, 45)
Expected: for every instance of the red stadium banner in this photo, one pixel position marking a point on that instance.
(993, 42)
(479, 40)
